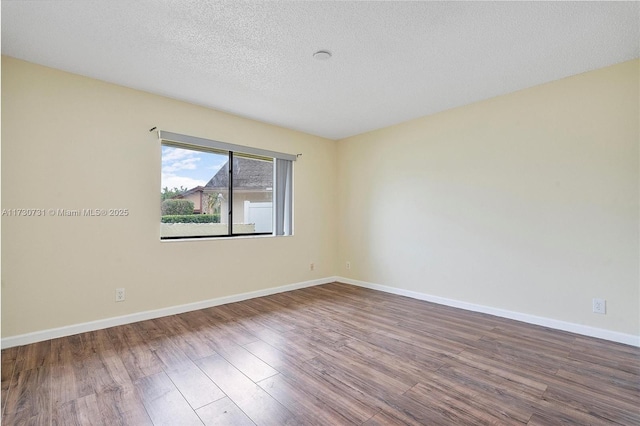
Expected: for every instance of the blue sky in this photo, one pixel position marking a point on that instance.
(184, 167)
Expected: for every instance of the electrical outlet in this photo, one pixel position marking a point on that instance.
(312, 266)
(119, 294)
(348, 265)
(599, 306)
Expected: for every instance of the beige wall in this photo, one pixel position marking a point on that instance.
(73, 142)
(526, 202)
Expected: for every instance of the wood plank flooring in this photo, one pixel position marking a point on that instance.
(327, 355)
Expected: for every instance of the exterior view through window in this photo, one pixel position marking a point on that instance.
(201, 198)
(210, 188)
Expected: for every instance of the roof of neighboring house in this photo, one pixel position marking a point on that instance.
(189, 192)
(247, 174)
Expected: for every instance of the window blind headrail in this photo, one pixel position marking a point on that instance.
(209, 143)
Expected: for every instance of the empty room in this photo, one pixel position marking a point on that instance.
(320, 213)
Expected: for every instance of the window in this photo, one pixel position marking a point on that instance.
(213, 189)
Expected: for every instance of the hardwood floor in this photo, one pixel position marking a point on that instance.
(327, 355)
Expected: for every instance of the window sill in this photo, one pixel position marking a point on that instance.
(226, 238)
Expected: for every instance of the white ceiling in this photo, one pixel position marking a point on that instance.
(392, 61)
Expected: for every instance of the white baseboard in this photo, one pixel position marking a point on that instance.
(54, 333)
(628, 339)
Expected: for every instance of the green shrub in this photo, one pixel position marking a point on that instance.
(177, 207)
(191, 218)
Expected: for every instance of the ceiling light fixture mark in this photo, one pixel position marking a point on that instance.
(322, 55)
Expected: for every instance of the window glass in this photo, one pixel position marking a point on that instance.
(201, 198)
(190, 207)
(252, 195)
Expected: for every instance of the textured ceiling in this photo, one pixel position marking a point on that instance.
(392, 61)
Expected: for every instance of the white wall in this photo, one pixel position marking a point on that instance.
(527, 202)
(73, 142)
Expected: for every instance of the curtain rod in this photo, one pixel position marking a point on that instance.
(225, 146)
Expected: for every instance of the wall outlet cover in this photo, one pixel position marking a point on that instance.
(119, 294)
(599, 306)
